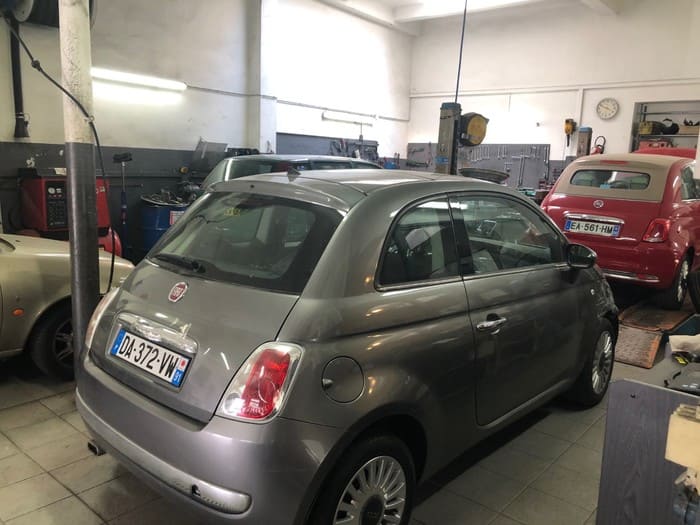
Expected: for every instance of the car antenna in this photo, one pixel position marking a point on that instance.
(292, 173)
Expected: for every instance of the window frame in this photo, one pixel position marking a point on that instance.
(378, 286)
(546, 220)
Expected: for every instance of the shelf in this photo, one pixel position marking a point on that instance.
(670, 112)
(687, 135)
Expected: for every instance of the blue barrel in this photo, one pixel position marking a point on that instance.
(156, 218)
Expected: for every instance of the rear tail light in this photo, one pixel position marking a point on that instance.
(258, 389)
(657, 231)
(97, 316)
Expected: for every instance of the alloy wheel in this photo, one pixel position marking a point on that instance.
(63, 344)
(376, 494)
(602, 362)
(682, 281)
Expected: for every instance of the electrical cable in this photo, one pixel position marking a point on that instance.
(461, 49)
(91, 122)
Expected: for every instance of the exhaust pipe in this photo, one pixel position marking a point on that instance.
(95, 448)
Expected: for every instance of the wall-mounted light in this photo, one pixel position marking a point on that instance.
(136, 79)
(339, 116)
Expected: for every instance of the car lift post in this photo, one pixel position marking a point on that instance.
(446, 157)
(74, 21)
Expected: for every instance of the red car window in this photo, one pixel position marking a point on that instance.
(611, 179)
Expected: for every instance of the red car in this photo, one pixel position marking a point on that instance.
(639, 212)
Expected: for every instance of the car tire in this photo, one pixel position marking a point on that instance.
(592, 383)
(50, 344)
(674, 297)
(375, 472)
(694, 289)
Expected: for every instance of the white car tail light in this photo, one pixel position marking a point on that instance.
(258, 389)
(97, 316)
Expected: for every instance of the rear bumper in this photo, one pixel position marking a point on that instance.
(225, 471)
(647, 264)
(218, 498)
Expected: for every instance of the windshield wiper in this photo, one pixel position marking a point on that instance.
(181, 260)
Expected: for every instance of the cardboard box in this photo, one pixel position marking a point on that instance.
(688, 130)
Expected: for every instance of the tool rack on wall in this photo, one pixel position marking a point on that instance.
(527, 164)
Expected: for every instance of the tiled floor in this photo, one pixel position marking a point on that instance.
(544, 470)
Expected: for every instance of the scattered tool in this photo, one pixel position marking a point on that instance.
(569, 128)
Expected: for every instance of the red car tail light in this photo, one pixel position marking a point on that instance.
(258, 389)
(657, 231)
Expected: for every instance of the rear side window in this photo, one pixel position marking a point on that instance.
(611, 180)
(421, 246)
(502, 234)
(689, 189)
(245, 167)
(254, 240)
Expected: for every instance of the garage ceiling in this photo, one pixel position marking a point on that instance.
(404, 13)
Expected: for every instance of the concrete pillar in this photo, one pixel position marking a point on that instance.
(74, 21)
(262, 52)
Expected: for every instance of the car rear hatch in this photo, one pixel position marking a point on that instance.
(609, 202)
(220, 284)
(608, 221)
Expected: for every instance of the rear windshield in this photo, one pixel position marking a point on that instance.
(254, 240)
(245, 167)
(611, 180)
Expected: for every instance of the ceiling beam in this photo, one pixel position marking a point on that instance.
(605, 7)
(373, 12)
(443, 8)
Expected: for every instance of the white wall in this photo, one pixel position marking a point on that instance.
(303, 52)
(174, 39)
(547, 63)
(332, 59)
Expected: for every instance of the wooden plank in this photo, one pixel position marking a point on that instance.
(647, 317)
(637, 347)
(637, 482)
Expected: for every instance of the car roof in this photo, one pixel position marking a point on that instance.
(688, 153)
(274, 156)
(638, 159)
(345, 188)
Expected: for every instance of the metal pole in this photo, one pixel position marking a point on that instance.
(74, 22)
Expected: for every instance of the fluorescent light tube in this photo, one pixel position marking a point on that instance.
(348, 117)
(139, 80)
(134, 95)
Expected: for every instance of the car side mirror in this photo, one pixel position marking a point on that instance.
(579, 256)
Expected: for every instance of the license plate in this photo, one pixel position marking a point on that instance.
(154, 359)
(592, 228)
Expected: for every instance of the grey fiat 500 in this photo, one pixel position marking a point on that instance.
(305, 348)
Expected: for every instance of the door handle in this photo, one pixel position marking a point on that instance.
(492, 324)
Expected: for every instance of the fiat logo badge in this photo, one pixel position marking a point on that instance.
(598, 203)
(177, 291)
